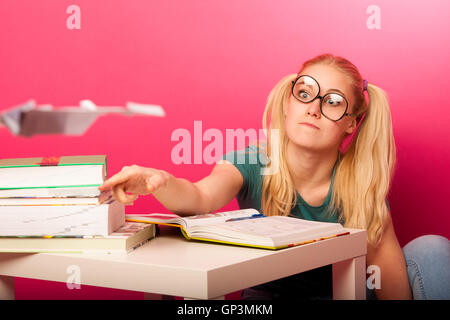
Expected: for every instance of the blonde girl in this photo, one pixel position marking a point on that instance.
(330, 155)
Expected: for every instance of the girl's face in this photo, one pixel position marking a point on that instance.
(327, 134)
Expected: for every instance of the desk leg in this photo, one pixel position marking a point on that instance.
(7, 291)
(349, 279)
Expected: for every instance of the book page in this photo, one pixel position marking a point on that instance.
(51, 176)
(218, 217)
(191, 221)
(165, 218)
(276, 226)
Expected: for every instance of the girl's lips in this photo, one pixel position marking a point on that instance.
(309, 124)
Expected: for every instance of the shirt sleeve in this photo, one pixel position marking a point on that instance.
(247, 162)
(237, 158)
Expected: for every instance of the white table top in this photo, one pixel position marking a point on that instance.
(172, 265)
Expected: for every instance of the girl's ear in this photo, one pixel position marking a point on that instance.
(351, 127)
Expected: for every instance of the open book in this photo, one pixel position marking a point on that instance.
(246, 227)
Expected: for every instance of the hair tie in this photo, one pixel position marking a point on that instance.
(365, 85)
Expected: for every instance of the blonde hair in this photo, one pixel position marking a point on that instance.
(363, 174)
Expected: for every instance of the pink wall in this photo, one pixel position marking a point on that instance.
(216, 61)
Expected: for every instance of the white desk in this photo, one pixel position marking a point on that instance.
(171, 265)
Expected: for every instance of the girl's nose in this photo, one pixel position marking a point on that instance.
(313, 108)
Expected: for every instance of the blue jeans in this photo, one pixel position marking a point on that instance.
(428, 264)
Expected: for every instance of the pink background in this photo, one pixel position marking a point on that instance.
(216, 61)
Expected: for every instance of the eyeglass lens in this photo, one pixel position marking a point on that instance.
(306, 89)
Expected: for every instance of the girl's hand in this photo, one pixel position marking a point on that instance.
(136, 181)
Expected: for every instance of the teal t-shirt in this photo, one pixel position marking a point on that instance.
(251, 163)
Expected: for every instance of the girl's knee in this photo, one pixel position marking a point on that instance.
(426, 246)
(427, 259)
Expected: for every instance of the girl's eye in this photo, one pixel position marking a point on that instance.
(334, 102)
(331, 102)
(303, 95)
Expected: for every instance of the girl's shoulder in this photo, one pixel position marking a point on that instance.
(254, 154)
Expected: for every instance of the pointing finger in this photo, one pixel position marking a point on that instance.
(114, 180)
(122, 196)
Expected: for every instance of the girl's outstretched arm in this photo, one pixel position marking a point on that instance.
(178, 195)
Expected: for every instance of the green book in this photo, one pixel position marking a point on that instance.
(65, 176)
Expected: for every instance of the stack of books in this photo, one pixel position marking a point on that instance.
(53, 205)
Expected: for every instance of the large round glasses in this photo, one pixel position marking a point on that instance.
(333, 105)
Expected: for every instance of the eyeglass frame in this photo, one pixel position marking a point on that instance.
(320, 98)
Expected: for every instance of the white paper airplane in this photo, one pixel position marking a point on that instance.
(29, 119)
